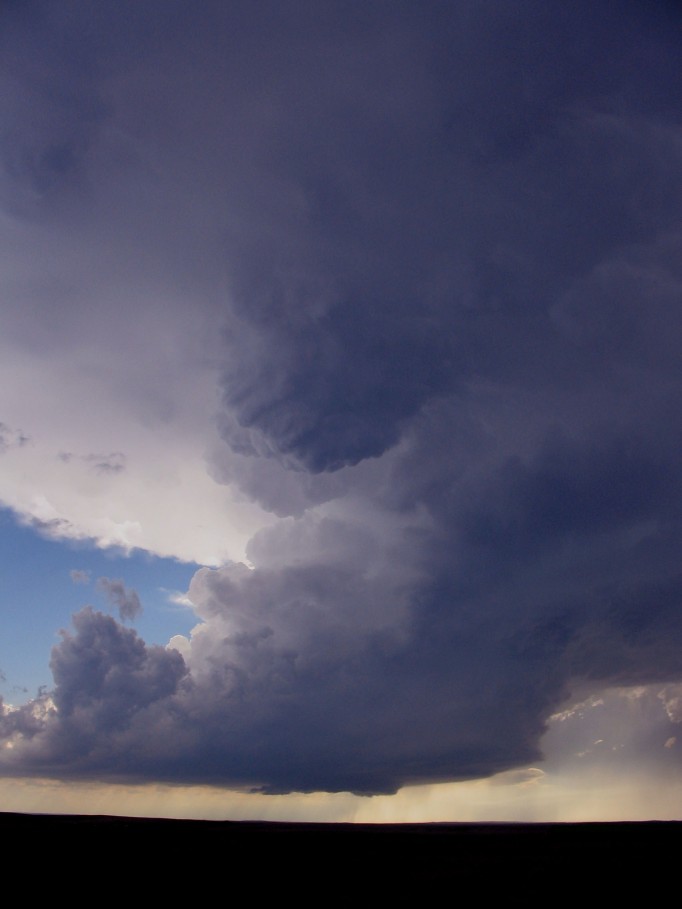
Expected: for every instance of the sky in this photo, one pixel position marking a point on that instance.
(339, 409)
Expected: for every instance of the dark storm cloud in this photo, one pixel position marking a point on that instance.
(429, 199)
(444, 244)
(50, 106)
(89, 682)
(123, 598)
(105, 679)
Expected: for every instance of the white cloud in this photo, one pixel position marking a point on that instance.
(671, 696)
(69, 407)
(178, 598)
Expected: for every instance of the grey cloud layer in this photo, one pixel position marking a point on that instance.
(441, 246)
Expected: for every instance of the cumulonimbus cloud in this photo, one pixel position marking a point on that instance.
(445, 247)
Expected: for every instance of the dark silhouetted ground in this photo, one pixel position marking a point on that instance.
(238, 863)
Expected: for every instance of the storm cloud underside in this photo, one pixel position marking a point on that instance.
(439, 246)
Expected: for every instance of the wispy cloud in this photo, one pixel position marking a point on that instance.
(123, 598)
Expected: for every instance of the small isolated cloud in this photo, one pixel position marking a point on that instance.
(177, 598)
(526, 776)
(11, 438)
(577, 710)
(79, 577)
(671, 696)
(111, 463)
(125, 599)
